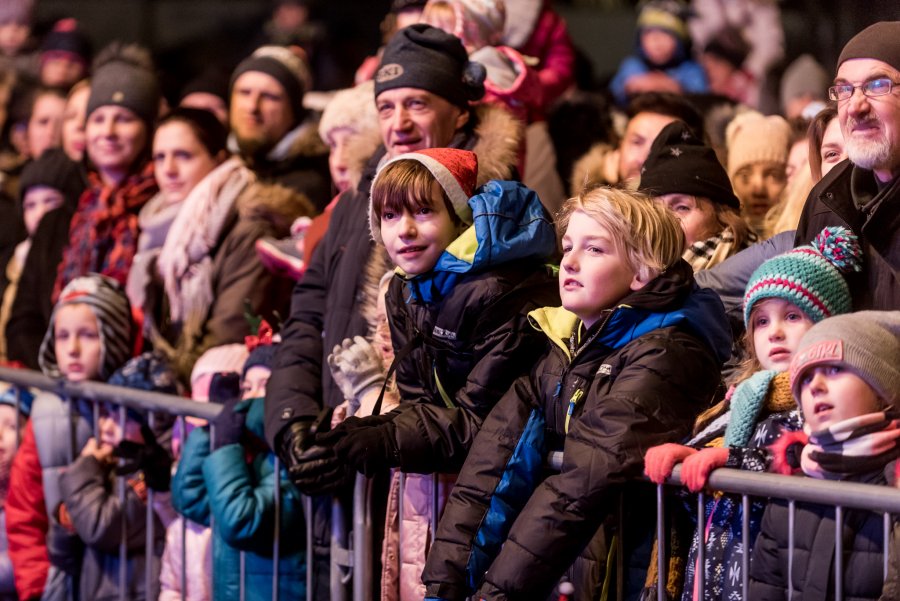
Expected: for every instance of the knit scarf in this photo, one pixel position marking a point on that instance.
(853, 446)
(704, 254)
(104, 231)
(185, 261)
(154, 220)
(769, 388)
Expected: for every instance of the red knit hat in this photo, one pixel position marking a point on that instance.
(456, 171)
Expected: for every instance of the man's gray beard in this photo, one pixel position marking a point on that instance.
(869, 154)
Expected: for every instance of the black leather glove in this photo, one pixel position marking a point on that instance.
(314, 470)
(150, 457)
(229, 425)
(369, 450)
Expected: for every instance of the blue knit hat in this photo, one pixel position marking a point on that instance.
(809, 276)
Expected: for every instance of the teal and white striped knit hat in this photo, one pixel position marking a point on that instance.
(809, 276)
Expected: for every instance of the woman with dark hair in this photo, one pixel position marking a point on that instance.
(196, 270)
(826, 142)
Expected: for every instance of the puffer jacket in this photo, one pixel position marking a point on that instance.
(813, 551)
(235, 484)
(93, 505)
(634, 380)
(835, 201)
(465, 326)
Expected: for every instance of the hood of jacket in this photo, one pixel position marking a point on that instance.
(671, 299)
(509, 223)
(497, 139)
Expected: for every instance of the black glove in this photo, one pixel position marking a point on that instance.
(314, 470)
(352, 424)
(229, 425)
(150, 457)
(369, 450)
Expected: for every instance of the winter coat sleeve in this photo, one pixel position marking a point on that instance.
(767, 577)
(662, 382)
(26, 520)
(95, 509)
(432, 437)
(551, 45)
(446, 573)
(243, 503)
(189, 494)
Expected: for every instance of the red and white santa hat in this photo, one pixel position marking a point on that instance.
(456, 171)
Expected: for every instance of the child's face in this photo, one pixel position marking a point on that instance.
(696, 214)
(12, 37)
(7, 433)
(73, 136)
(831, 393)
(255, 381)
(45, 124)
(659, 46)
(414, 242)
(60, 69)
(593, 274)
(778, 325)
(38, 201)
(758, 186)
(111, 430)
(77, 342)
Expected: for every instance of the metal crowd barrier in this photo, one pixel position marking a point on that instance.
(841, 495)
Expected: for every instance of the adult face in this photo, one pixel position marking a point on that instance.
(260, 112)
(180, 160)
(116, 137)
(338, 159)
(45, 124)
(635, 146)
(73, 134)
(696, 214)
(832, 151)
(412, 119)
(871, 126)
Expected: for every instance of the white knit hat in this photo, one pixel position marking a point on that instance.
(752, 137)
(220, 359)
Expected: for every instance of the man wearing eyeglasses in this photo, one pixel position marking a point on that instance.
(863, 192)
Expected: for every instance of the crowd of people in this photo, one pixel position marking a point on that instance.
(450, 270)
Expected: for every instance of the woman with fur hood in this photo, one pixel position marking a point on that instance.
(196, 270)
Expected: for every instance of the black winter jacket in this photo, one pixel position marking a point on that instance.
(636, 379)
(813, 555)
(835, 201)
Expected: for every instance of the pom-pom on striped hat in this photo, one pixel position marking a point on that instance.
(809, 276)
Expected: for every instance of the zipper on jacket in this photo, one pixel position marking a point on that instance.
(572, 402)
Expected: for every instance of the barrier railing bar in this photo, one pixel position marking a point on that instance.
(700, 566)
(276, 542)
(129, 397)
(792, 510)
(661, 538)
(838, 553)
(745, 544)
(123, 517)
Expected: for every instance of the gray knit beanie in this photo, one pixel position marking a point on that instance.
(880, 41)
(110, 306)
(288, 69)
(123, 76)
(866, 342)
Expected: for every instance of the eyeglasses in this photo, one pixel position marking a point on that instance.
(872, 88)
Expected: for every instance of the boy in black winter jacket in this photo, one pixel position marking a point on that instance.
(469, 268)
(633, 355)
(846, 380)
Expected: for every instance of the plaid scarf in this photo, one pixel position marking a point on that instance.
(704, 254)
(104, 230)
(853, 446)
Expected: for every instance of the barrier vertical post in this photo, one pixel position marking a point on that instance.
(792, 511)
(700, 568)
(660, 544)
(745, 543)
(123, 543)
(838, 553)
(183, 422)
(276, 541)
(308, 517)
(149, 530)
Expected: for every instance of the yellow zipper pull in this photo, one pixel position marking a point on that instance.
(572, 402)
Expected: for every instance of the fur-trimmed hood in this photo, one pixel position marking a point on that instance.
(273, 204)
(498, 137)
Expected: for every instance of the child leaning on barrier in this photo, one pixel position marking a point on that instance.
(632, 356)
(234, 483)
(845, 379)
(90, 336)
(785, 296)
(91, 503)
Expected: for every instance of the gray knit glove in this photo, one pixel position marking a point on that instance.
(356, 366)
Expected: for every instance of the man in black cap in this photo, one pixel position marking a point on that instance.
(423, 91)
(270, 127)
